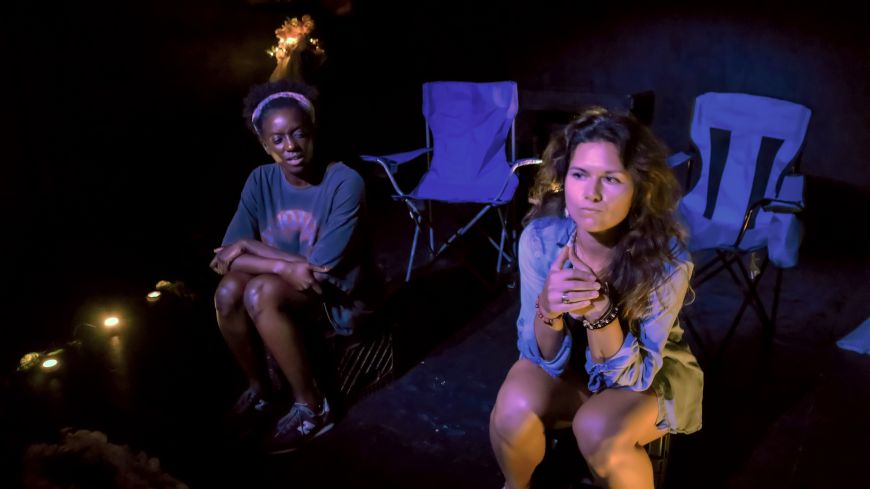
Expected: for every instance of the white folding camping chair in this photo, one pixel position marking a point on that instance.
(748, 194)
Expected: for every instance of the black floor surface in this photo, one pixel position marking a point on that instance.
(794, 416)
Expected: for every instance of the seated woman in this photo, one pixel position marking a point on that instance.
(292, 258)
(603, 275)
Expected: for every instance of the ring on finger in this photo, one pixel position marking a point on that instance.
(564, 298)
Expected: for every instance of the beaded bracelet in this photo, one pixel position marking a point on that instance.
(604, 320)
(548, 321)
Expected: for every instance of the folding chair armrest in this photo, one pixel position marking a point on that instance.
(779, 206)
(678, 159)
(771, 205)
(525, 162)
(747, 218)
(390, 163)
(514, 167)
(384, 162)
(790, 196)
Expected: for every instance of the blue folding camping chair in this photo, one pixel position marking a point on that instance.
(749, 193)
(469, 124)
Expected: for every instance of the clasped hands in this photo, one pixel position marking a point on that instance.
(298, 272)
(575, 290)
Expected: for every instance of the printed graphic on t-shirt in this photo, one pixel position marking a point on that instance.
(293, 228)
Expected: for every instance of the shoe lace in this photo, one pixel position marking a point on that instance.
(305, 427)
(293, 421)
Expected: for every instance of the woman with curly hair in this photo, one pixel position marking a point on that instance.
(603, 273)
(293, 258)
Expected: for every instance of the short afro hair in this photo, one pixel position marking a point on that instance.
(258, 93)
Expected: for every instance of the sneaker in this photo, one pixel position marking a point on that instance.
(298, 426)
(249, 413)
(250, 400)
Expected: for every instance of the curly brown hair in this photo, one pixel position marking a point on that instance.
(644, 247)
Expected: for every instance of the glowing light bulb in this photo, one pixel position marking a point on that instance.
(153, 296)
(50, 363)
(111, 322)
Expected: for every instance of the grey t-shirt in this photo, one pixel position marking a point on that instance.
(322, 222)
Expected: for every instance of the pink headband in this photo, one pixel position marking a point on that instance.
(303, 102)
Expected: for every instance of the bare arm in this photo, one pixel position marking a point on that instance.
(604, 342)
(549, 338)
(299, 274)
(258, 248)
(225, 255)
(255, 265)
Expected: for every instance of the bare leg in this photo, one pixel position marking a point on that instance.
(268, 299)
(236, 327)
(528, 402)
(611, 429)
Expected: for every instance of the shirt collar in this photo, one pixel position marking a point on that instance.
(568, 227)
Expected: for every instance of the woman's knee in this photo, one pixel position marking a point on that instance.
(599, 439)
(262, 293)
(229, 295)
(513, 416)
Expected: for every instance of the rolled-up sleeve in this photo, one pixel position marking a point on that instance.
(337, 237)
(533, 265)
(639, 359)
(244, 223)
(341, 223)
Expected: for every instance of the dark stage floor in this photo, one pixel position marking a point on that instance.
(795, 418)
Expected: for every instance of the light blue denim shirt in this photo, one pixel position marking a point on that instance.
(655, 356)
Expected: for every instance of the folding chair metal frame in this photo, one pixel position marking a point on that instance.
(391, 164)
(747, 280)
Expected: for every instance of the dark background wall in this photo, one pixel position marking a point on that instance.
(818, 56)
(124, 149)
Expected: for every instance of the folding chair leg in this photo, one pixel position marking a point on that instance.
(501, 254)
(752, 292)
(462, 230)
(431, 233)
(500, 251)
(748, 286)
(420, 221)
(704, 273)
(702, 270)
(770, 330)
(499, 245)
(724, 343)
(413, 251)
(777, 287)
